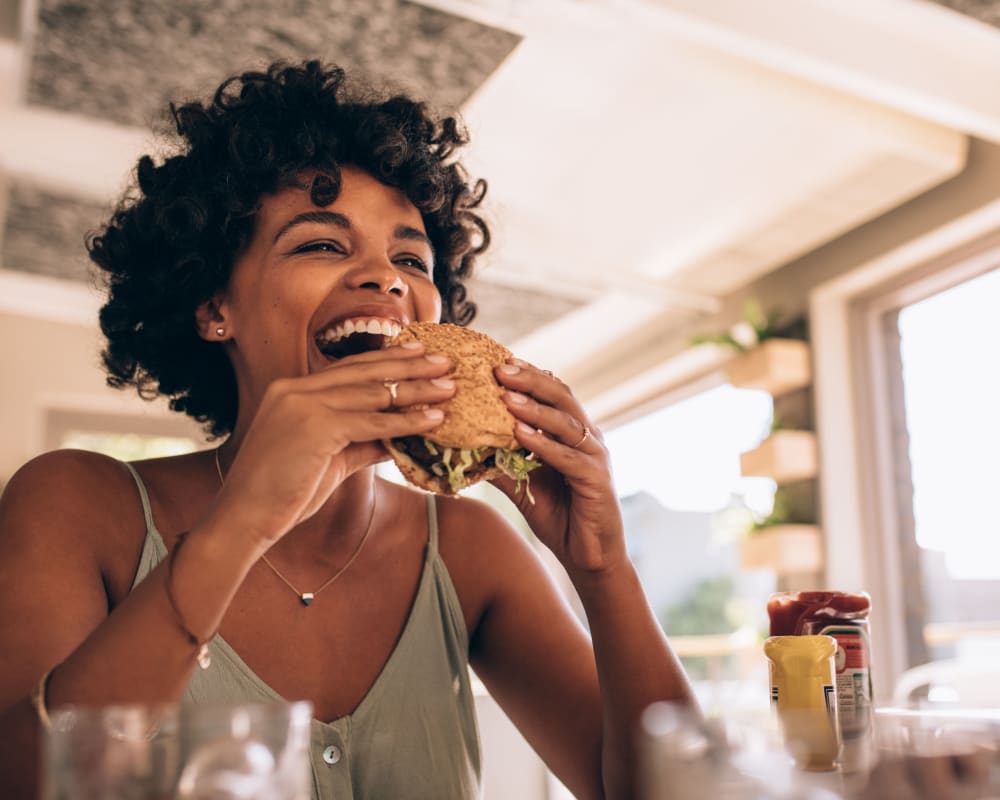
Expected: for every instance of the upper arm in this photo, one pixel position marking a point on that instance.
(53, 514)
(530, 651)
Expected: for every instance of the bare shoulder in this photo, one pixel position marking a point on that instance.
(486, 556)
(66, 495)
(473, 529)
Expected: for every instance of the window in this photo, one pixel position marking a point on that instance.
(950, 398)
(128, 446)
(686, 507)
(905, 392)
(127, 437)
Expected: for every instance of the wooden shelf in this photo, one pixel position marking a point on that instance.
(786, 549)
(777, 366)
(785, 456)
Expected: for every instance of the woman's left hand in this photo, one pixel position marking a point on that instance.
(576, 511)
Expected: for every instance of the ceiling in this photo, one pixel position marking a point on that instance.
(645, 157)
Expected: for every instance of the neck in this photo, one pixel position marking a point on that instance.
(333, 533)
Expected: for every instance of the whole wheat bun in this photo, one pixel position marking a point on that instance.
(476, 415)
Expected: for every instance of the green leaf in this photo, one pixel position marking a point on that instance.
(754, 314)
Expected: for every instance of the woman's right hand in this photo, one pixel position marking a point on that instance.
(311, 433)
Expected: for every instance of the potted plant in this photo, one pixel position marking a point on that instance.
(765, 360)
(784, 541)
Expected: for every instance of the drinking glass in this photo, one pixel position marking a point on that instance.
(951, 755)
(111, 753)
(245, 752)
(196, 752)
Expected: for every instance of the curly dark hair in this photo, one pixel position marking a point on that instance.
(171, 244)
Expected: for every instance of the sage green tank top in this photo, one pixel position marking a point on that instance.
(414, 735)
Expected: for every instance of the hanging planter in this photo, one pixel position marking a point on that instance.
(785, 456)
(784, 549)
(776, 366)
(766, 360)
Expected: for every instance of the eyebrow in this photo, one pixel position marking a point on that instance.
(333, 218)
(406, 232)
(323, 217)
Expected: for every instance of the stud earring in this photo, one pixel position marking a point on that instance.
(220, 331)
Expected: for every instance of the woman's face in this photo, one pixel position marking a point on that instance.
(318, 283)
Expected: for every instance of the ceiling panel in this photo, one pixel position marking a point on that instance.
(987, 11)
(44, 233)
(123, 61)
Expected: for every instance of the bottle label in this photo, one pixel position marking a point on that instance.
(853, 678)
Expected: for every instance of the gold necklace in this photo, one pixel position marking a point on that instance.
(306, 598)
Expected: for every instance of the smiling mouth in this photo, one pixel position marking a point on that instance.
(353, 336)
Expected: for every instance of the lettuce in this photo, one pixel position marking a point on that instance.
(516, 464)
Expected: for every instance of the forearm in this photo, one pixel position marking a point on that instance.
(139, 653)
(635, 664)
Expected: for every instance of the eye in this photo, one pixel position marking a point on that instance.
(320, 246)
(413, 263)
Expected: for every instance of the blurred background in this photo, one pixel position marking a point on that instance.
(759, 238)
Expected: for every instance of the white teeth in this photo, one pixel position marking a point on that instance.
(381, 327)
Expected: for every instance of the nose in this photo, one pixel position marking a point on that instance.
(379, 274)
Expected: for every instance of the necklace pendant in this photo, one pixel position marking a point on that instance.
(306, 598)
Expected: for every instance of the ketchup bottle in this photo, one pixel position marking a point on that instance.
(844, 616)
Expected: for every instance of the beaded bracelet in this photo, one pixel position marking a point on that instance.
(38, 701)
(204, 657)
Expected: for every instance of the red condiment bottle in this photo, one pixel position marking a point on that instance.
(844, 616)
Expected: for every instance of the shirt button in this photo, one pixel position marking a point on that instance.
(332, 754)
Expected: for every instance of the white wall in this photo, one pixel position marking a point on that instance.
(47, 365)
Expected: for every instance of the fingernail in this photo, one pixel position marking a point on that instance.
(434, 413)
(516, 397)
(524, 428)
(509, 369)
(435, 358)
(444, 383)
(412, 345)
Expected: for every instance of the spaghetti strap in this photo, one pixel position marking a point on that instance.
(432, 524)
(147, 509)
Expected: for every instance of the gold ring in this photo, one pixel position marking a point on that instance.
(586, 435)
(391, 385)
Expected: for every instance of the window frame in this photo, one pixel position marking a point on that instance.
(856, 396)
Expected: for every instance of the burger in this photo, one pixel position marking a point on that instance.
(476, 441)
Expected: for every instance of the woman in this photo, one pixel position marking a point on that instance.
(279, 561)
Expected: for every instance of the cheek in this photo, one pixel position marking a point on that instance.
(427, 302)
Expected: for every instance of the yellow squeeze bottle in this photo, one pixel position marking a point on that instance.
(803, 693)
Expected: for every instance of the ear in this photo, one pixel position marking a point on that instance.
(211, 320)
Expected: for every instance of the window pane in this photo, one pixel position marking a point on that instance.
(951, 389)
(686, 507)
(128, 446)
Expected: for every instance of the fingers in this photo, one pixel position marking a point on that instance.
(346, 427)
(382, 394)
(398, 363)
(399, 376)
(551, 422)
(527, 379)
(565, 428)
